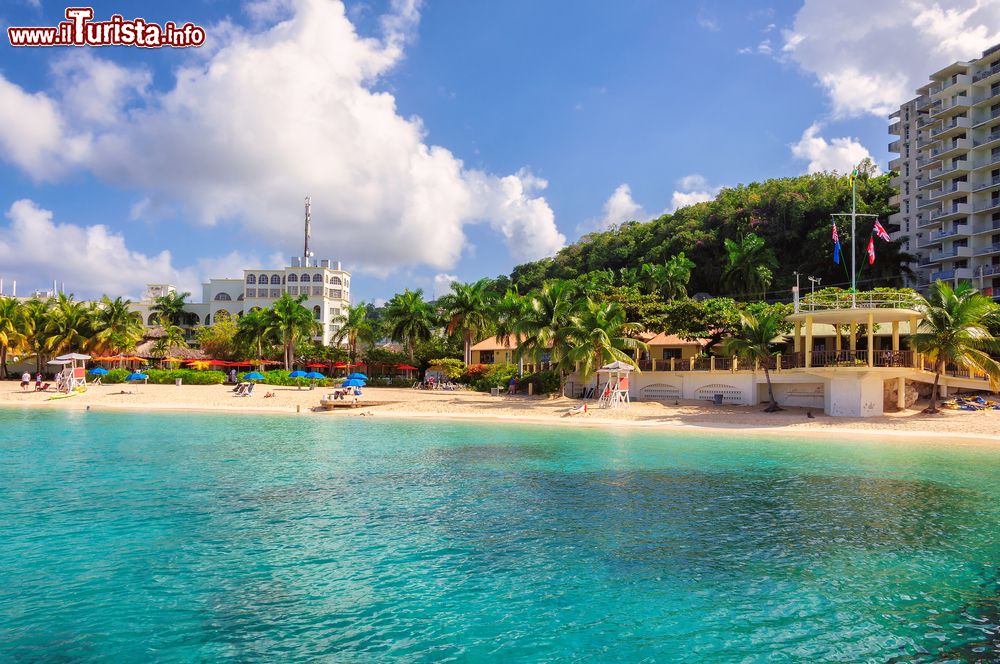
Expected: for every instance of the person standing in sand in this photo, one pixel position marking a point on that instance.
(38, 381)
(25, 380)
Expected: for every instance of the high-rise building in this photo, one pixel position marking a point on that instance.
(949, 174)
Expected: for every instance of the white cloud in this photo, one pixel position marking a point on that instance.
(692, 189)
(95, 260)
(871, 56)
(267, 117)
(838, 154)
(442, 283)
(619, 208)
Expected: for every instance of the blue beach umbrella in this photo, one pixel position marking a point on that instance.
(98, 371)
(357, 376)
(298, 373)
(353, 382)
(137, 376)
(253, 375)
(314, 375)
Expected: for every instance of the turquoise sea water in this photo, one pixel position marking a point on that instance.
(176, 537)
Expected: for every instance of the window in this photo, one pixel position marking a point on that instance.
(251, 279)
(304, 278)
(240, 298)
(262, 279)
(337, 293)
(317, 312)
(486, 357)
(223, 296)
(292, 278)
(251, 292)
(317, 290)
(208, 319)
(318, 278)
(275, 280)
(275, 292)
(294, 290)
(671, 353)
(335, 281)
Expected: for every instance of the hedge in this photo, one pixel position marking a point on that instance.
(168, 376)
(280, 377)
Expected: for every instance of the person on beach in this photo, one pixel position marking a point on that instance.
(38, 381)
(512, 385)
(25, 380)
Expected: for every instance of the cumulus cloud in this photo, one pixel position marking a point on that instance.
(692, 189)
(619, 208)
(871, 57)
(95, 260)
(267, 117)
(837, 154)
(442, 283)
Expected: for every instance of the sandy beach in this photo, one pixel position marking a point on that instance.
(408, 403)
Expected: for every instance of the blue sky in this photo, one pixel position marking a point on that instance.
(438, 140)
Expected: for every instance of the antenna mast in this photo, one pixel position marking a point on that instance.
(305, 250)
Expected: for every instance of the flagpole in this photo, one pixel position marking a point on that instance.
(854, 244)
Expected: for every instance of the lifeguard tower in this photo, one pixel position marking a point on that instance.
(615, 392)
(73, 376)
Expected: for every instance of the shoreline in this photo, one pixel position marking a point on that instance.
(412, 405)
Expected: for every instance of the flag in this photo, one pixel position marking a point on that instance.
(854, 176)
(880, 231)
(871, 250)
(836, 245)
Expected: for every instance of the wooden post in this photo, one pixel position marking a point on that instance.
(871, 339)
(691, 362)
(836, 337)
(672, 364)
(711, 363)
(895, 335)
(852, 341)
(777, 363)
(809, 340)
(797, 339)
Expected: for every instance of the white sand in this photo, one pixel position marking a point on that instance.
(407, 403)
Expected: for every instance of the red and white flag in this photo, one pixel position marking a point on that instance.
(880, 231)
(871, 250)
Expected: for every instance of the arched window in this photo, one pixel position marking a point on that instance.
(223, 296)
(275, 279)
(240, 298)
(318, 278)
(262, 279)
(220, 313)
(152, 319)
(292, 278)
(251, 279)
(208, 319)
(317, 312)
(335, 281)
(304, 278)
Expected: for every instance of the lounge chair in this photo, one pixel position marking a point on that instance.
(576, 410)
(43, 388)
(243, 389)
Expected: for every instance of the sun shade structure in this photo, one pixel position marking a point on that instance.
(98, 371)
(353, 382)
(253, 375)
(357, 376)
(313, 375)
(298, 373)
(136, 376)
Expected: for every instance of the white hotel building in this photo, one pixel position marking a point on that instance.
(949, 174)
(326, 285)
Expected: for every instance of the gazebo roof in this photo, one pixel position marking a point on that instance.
(855, 315)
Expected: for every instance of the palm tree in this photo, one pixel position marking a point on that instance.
(173, 337)
(355, 327)
(671, 278)
(171, 307)
(12, 330)
(409, 319)
(467, 311)
(955, 330)
(35, 316)
(70, 326)
(752, 342)
(600, 334)
(749, 265)
(118, 328)
(546, 324)
(291, 322)
(253, 331)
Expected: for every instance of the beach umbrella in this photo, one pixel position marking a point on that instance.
(314, 375)
(298, 373)
(353, 382)
(253, 375)
(136, 376)
(357, 376)
(98, 371)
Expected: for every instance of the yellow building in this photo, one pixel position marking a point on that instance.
(494, 351)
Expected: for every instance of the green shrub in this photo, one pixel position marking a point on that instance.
(544, 382)
(496, 375)
(115, 376)
(387, 381)
(451, 368)
(188, 376)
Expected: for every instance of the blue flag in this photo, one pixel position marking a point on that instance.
(836, 252)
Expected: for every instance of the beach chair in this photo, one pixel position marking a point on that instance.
(243, 389)
(248, 391)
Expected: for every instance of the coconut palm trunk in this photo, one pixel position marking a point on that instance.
(939, 369)
(773, 407)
